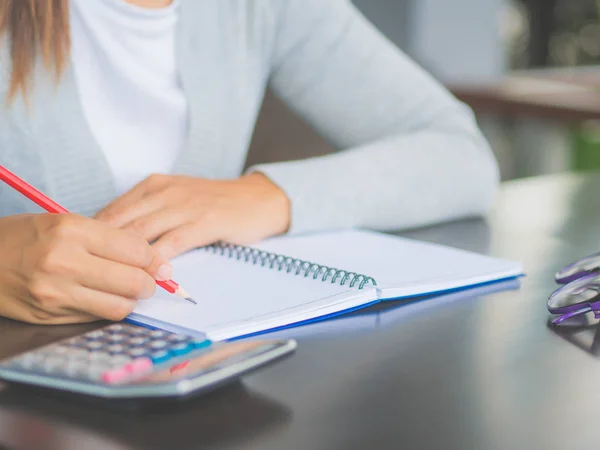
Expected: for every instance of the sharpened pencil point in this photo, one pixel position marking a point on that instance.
(181, 292)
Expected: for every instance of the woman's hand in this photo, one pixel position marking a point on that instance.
(181, 213)
(58, 269)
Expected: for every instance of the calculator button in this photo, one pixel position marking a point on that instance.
(160, 356)
(59, 349)
(201, 343)
(53, 365)
(116, 328)
(136, 352)
(27, 361)
(116, 348)
(94, 345)
(136, 331)
(156, 345)
(99, 357)
(181, 349)
(140, 365)
(76, 369)
(76, 342)
(97, 334)
(94, 371)
(178, 338)
(138, 340)
(119, 360)
(158, 334)
(114, 376)
(116, 337)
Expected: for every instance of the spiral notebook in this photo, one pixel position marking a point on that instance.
(289, 281)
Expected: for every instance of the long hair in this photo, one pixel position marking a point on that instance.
(34, 29)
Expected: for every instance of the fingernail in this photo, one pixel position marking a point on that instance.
(164, 272)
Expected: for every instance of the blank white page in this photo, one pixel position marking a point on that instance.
(236, 298)
(401, 267)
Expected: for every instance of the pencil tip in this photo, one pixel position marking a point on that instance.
(184, 294)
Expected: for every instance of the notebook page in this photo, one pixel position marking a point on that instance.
(234, 297)
(401, 267)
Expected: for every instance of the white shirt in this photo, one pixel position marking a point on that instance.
(126, 71)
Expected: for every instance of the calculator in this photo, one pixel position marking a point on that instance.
(126, 361)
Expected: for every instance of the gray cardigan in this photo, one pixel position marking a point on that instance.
(410, 154)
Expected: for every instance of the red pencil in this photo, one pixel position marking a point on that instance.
(52, 207)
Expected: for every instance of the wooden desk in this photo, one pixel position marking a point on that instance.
(477, 373)
(557, 94)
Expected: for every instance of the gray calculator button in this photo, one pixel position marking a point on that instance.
(76, 342)
(158, 334)
(178, 338)
(119, 360)
(78, 353)
(99, 357)
(156, 345)
(138, 340)
(75, 369)
(27, 361)
(56, 349)
(116, 328)
(136, 331)
(94, 372)
(95, 345)
(116, 348)
(97, 334)
(118, 337)
(54, 365)
(136, 352)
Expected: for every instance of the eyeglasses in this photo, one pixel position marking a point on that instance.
(580, 293)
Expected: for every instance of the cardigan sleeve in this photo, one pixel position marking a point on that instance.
(409, 153)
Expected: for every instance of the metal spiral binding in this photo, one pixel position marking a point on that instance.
(290, 265)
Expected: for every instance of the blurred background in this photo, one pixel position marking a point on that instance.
(530, 69)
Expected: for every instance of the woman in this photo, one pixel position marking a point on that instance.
(137, 115)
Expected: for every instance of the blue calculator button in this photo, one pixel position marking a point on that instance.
(201, 343)
(181, 349)
(160, 356)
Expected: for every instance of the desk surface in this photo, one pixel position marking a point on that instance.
(566, 95)
(477, 373)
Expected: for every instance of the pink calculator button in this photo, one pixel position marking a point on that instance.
(139, 365)
(115, 375)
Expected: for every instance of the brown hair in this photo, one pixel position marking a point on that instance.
(34, 28)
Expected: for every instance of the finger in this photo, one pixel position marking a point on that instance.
(120, 214)
(184, 239)
(116, 279)
(123, 209)
(153, 225)
(117, 245)
(102, 305)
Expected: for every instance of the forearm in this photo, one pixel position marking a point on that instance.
(403, 181)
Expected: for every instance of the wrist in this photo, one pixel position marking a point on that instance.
(278, 205)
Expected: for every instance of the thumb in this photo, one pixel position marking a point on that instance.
(160, 268)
